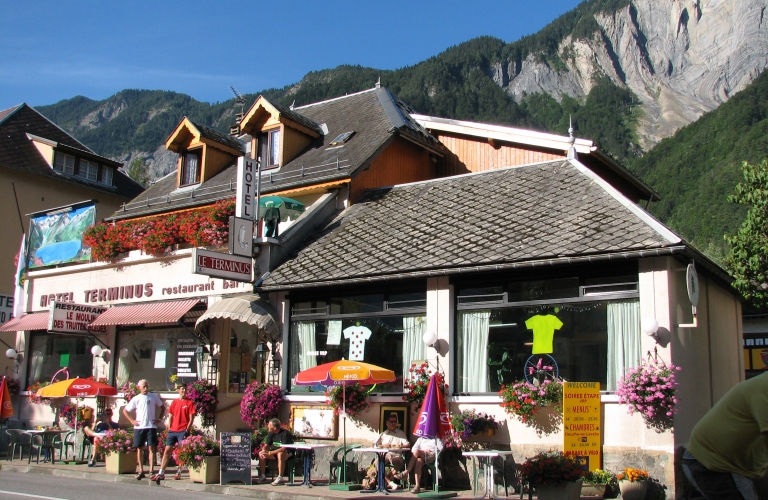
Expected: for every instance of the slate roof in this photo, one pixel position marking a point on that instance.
(374, 115)
(552, 210)
(217, 136)
(18, 152)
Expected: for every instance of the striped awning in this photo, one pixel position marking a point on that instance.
(33, 321)
(250, 309)
(157, 313)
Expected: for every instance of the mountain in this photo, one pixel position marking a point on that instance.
(629, 72)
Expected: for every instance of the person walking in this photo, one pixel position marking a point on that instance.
(728, 448)
(149, 411)
(182, 412)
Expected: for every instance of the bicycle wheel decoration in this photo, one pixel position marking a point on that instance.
(540, 367)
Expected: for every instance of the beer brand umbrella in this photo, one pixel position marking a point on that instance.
(6, 408)
(344, 372)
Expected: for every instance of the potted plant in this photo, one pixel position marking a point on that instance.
(356, 397)
(201, 455)
(651, 390)
(120, 455)
(129, 390)
(633, 483)
(470, 423)
(525, 400)
(260, 403)
(554, 475)
(416, 384)
(596, 482)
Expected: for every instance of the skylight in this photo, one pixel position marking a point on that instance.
(342, 138)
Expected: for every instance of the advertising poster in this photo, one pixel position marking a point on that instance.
(582, 427)
(58, 238)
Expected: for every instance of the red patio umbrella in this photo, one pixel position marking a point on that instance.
(6, 408)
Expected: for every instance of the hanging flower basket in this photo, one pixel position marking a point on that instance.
(260, 403)
(416, 384)
(651, 390)
(356, 396)
(525, 400)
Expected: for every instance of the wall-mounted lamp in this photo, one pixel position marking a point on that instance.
(650, 327)
(104, 354)
(18, 358)
(261, 352)
(430, 339)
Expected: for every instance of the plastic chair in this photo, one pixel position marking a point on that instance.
(18, 439)
(337, 462)
(480, 469)
(42, 442)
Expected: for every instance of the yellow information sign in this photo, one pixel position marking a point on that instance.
(582, 423)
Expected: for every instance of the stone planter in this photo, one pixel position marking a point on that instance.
(208, 472)
(593, 490)
(121, 463)
(565, 491)
(633, 490)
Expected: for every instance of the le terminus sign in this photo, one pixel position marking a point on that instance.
(222, 265)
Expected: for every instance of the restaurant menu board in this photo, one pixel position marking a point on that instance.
(582, 423)
(185, 355)
(236, 457)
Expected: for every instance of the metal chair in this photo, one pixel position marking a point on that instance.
(18, 439)
(43, 442)
(68, 442)
(339, 460)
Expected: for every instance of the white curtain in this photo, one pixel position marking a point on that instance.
(413, 345)
(37, 367)
(304, 333)
(623, 339)
(473, 374)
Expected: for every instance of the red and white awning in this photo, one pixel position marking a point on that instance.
(156, 313)
(33, 321)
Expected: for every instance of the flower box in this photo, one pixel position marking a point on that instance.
(570, 490)
(593, 490)
(633, 490)
(121, 463)
(208, 472)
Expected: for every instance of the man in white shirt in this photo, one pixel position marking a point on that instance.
(393, 438)
(424, 451)
(149, 411)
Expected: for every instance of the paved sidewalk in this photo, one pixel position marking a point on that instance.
(264, 491)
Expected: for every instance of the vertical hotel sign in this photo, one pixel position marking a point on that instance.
(582, 423)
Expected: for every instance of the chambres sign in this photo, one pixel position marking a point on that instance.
(125, 284)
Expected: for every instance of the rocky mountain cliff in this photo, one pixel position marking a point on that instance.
(681, 58)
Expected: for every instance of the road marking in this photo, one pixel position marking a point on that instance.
(30, 496)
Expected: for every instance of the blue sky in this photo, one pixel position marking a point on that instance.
(54, 50)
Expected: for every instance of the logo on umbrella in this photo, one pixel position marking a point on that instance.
(83, 386)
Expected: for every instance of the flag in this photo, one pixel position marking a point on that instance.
(434, 420)
(6, 408)
(19, 277)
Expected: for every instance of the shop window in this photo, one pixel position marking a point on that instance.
(190, 168)
(243, 367)
(52, 352)
(589, 342)
(157, 356)
(64, 163)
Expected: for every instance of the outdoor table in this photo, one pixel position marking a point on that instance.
(486, 457)
(46, 437)
(308, 451)
(380, 453)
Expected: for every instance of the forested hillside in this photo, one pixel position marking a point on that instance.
(698, 167)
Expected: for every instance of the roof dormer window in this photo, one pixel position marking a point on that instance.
(269, 148)
(64, 163)
(190, 168)
(88, 170)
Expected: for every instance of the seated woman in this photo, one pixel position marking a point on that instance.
(94, 434)
(424, 451)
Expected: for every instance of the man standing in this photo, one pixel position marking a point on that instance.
(728, 449)
(146, 406)
(272, 449)
(182, 413)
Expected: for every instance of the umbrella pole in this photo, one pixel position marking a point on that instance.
(344, 486)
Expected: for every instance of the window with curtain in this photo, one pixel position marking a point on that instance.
(190, 168)
(589, 341)
(51, 352)
(414, 349)
(243, 367)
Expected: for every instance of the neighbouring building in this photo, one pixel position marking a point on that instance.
(413, 225)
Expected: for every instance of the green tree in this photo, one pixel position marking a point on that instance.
(748, 257)
(138, 171)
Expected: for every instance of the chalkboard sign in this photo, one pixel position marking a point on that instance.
(236, 457)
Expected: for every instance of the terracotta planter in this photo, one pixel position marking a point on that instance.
(208, 472)
(565, 491)
(593, 490)
(633, 490)
(488, 432)
(121, 463)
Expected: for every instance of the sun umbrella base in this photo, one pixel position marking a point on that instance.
(74, 462)
(437, 494)
(345, 487)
